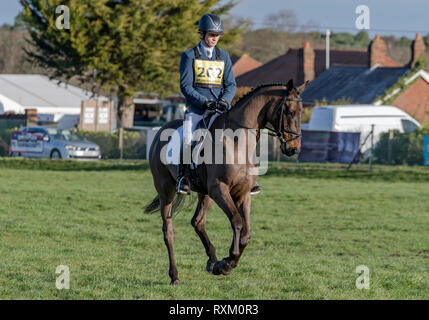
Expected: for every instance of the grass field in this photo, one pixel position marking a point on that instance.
(311, 227)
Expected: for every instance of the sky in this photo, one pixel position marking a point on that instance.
(397, 17)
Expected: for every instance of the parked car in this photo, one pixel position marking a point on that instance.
(360, 118)
(53, 143)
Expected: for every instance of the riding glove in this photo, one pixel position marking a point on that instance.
(222, 105)
(210, 104)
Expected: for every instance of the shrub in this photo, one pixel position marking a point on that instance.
(4, 141)
(406, 148)
(134, 144)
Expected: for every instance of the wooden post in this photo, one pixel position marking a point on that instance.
(121, 142)
(372, 147)
(31, 117)
(389, 147)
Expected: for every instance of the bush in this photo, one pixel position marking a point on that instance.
(406, 148)
(134, 144)
(4, 141)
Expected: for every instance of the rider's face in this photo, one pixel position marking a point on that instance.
(211, 39)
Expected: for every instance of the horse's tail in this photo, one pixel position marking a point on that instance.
(153, 206)
(178, 202)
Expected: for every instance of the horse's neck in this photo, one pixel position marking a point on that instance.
(251, 113)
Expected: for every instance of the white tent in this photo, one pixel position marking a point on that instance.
(59, 103)
(8, 105)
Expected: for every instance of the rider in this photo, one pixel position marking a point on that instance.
(201, 89)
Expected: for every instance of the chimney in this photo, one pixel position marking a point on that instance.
(418, 49)
(377, 52)
(306, 58)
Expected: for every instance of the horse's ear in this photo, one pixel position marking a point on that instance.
(289, 85)
(302, 87)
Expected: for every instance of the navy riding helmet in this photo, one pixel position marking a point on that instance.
(210, 23)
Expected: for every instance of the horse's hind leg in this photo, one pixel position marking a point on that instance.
(199, 223)
(166, 204)
(245, 232)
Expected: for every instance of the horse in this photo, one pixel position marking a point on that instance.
(227, 185)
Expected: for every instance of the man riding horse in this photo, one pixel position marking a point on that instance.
(208, 84)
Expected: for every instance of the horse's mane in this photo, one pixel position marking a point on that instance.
(253, 90)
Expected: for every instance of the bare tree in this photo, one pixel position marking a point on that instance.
(311, 25)
(284, 20)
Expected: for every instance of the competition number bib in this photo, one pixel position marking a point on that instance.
(208, 73)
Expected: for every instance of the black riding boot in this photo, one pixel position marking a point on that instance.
(182, 186)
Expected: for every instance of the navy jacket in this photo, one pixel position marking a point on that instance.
(196, 96)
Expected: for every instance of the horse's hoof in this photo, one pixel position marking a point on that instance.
(175, 282)
(221, 267)
(210, 266)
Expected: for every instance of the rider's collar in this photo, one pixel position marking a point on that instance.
(207, 50)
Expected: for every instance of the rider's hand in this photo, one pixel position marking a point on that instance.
(222, 105)
(210, 104)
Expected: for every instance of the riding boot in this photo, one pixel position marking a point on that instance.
(256, 189)
(182, 181)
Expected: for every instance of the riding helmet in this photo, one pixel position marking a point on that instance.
(210, 23)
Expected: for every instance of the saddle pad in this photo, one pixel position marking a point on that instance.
(175, 143)
(173, 148)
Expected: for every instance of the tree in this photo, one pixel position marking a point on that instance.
(283, 20)
(12, 60)
(119, 46)
(362, 38)
(426, 40)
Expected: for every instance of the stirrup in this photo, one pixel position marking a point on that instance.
(255, 190)
(183, 190)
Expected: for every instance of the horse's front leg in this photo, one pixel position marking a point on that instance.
(199, 223)
(220, 193)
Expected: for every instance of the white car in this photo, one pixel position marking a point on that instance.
(53, 143)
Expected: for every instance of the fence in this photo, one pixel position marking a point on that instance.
(6, 123)
(391, 147)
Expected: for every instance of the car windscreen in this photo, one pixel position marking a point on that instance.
(64, 134)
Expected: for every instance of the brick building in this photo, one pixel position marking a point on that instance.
(307, 63)
(381, 82)
(243, 64)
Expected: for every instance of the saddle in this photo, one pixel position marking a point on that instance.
(191, 170)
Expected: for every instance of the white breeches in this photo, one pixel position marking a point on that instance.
(189, 125)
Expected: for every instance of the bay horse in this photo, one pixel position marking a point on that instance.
(227, 185)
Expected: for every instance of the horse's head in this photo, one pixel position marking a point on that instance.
(286, 119)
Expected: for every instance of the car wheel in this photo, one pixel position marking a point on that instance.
(56, 155)
(15, 154)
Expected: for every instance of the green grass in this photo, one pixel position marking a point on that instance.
(311, 227)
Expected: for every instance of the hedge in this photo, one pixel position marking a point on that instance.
(134, 144)
(406, 148)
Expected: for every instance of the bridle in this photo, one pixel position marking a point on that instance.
(280, 130)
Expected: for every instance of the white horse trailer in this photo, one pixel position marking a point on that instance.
(361, 118)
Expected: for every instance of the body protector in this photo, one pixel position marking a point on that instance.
(208, 73)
